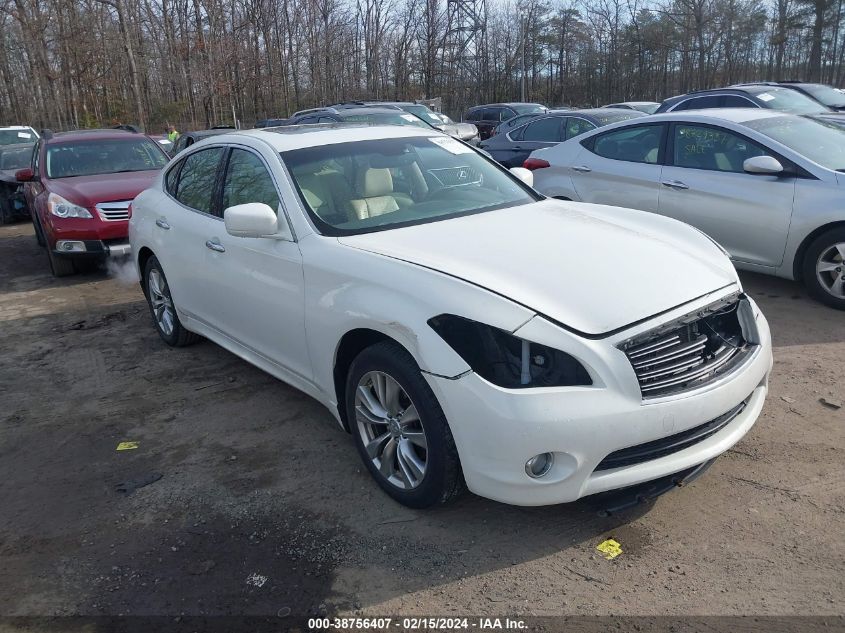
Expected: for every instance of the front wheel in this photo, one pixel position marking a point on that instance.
(399, 428)
(824, 268)
(163, 311)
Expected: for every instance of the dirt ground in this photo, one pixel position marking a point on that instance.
(257, 482)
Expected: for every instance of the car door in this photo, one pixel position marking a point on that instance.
(704, 184)
(181, 227)
(621, 167)
(537, 134)
(33, 191)
(258, 287)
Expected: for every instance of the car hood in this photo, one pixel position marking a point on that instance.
(592, 268)
(90, 190)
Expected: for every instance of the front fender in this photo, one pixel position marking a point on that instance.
(348, 289)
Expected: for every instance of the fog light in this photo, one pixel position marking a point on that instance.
(539, 465)
(70, 246)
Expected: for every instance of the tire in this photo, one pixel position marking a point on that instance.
(39, 232)
(159, 298)
(826, 252)
(5, 207)
(60, 266)
(441, 479)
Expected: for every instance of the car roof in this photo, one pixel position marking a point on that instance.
(369, 110)
(89, 135)
(204, 133)
(291, 137)
(15, 127)
(734, 115)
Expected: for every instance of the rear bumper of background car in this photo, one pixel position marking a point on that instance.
(498, 430)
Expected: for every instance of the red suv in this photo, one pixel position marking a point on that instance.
(79, 189)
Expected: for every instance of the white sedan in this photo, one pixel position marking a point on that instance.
(458, 325)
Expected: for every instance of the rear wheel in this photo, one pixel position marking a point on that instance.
(824, 268)
(399, 428)
(163, 310)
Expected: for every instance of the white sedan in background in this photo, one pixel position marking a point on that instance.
(458, 325)
(766, 185)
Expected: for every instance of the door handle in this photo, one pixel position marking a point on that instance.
(162, 224)
(215, 245)
(674, 184)
(581, 168)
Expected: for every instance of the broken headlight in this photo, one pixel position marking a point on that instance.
(506, 360)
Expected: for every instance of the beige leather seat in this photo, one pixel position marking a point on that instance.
(375, 186)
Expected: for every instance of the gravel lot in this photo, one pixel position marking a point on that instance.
(257, 482)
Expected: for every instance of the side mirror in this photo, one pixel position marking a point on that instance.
(765, 165)
(24, 175)
(255, 219)
(524, 175)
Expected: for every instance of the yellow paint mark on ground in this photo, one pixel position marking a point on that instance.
(127, 446)
(610, 548)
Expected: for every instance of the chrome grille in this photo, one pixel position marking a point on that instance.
(114, 211)
(689, 352)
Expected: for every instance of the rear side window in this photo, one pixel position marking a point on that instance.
(247, 180)
(491, 114)
(700, 103)
(640, 144)
(549, 130)
(197, 179)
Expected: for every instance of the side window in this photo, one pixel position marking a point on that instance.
(171, 179)
(576, 126)
(325, 119)
(247, 180)
(547, 130)
(640, 144)
(700, 147)
(700, 103)
(490, 114)
(735, 101)
(197, 179)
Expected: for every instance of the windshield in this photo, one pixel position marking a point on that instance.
(424, 113)
(86, 158)
(787, 100)
(13, 137)
(525, 108)
(16, 158)
(819, 141)
(827, 95)
(365, 186)
(379, 118)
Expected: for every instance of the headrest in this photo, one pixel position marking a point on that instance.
(375, 182)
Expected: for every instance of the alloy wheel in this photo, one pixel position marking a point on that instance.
(161, 301)
(830, 270)
(391, 430)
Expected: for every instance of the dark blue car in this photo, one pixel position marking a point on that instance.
(512, 148)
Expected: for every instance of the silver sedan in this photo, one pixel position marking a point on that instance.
(767, 186)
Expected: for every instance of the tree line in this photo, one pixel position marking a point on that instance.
(71, 64)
